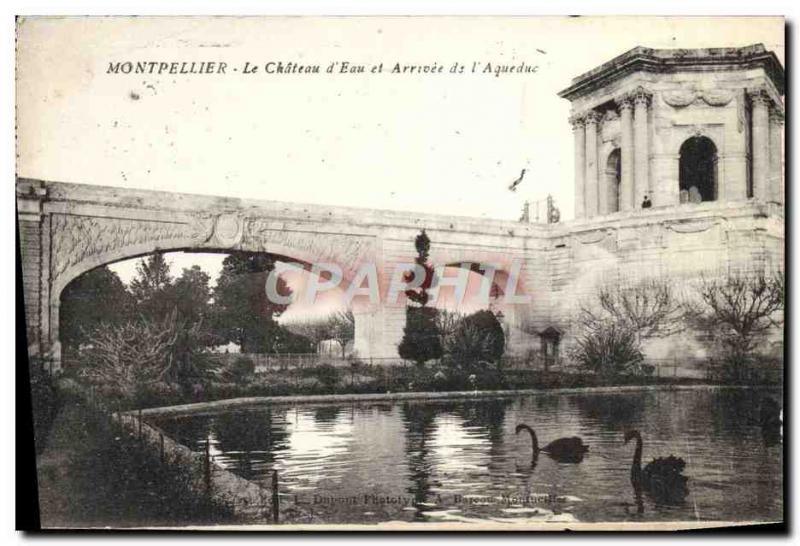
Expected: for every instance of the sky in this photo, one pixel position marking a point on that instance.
(439, 143)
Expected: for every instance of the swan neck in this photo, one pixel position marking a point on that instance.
(534, 440)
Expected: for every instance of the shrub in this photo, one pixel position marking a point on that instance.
(327, 375)
(158, 394)
(477, 344)
(609, 350)
(240, 370)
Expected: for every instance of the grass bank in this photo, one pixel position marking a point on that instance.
(94, 474)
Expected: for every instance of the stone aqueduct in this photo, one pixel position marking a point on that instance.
(725, 95)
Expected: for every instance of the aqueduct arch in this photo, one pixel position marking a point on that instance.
(126, 253)
(69, 229)
(81, 228)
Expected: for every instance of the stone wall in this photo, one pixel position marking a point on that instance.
(247, 500)
(30, 247)
(677, 243)
(29, 227)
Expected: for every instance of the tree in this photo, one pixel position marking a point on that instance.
(98, 296)
(193, 294)
(420, 295)
(421, 341)
(129, 358)
(648, 309)
(342, 328)
(478, 338)
(737, 311)
(193, 303)
(287, 342)
(189, 360)
(152, 287)
(243, 314)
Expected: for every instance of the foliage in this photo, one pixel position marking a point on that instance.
(133, 358)
(152, 288)
(420, 295)
(610, 349)
(243, 314)
(189, 359)
(240, 370)
(478, 338)
(45, 402)
(446, 324)
(421, 341)
(315, 330)
(285, 341)
(327, 375)
(98, 296)
(129, 357)
(193, 300)
(736, 312)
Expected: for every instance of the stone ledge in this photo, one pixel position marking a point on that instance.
(234, 403)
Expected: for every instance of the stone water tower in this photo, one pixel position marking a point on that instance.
(680, 126)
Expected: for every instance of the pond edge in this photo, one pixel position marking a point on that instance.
(216, 406)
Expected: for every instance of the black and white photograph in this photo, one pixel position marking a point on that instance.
(400, 273)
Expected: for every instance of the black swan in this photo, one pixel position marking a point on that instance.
(661, 477)
(563, 450)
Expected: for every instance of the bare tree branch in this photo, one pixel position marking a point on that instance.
(649, 308)
(738, 310)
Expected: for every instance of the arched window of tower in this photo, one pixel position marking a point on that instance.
(698, 170)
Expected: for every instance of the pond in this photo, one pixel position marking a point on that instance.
(460, 460)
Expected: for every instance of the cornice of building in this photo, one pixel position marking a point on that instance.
(643, 59)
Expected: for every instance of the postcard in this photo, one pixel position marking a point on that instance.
(403, 273)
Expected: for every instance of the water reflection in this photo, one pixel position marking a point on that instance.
(462, 461)
(248, 441)
(614, 412)
(326, 414)
(315, 450)
(419, 422)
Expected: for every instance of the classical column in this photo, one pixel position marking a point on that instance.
(591, 180)
(580, 166)
(626, 154)
(641, 148)
(776, 156)
(760, 140)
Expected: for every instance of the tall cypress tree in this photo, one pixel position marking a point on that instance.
(421, 340)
